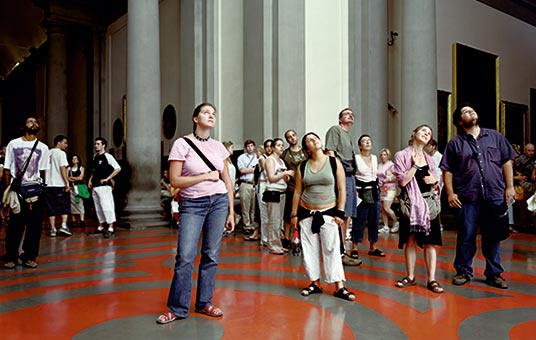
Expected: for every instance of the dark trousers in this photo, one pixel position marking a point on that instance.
(30, 220)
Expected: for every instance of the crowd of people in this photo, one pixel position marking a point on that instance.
(329, 192)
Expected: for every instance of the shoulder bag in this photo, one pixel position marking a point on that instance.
(31, 192)
(202, 155)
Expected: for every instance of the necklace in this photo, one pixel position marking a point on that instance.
(201, 139)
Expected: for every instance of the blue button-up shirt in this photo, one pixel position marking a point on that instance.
(476, 164)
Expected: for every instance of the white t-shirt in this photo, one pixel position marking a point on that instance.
(57, 160)
(17, 152)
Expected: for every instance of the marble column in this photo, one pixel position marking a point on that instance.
(143, 113)
(56, 110)
(419, 66)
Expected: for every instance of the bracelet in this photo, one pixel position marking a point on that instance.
(293, 215)
(415, 166)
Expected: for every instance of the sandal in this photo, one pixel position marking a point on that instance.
(354, 254)
(344, 294)
(376, 252)
(435, 287)
(166, 318)
(405, 282)
(311, 289)
(210, 311)
(252, 238)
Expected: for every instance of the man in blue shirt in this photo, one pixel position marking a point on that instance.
(478, 179)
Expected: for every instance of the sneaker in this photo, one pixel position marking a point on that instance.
(497, 281)
(53, 232)
(394, 229)
(97, 231)
(384, 229)
(108, 233)
(460, 279)
(65, 230)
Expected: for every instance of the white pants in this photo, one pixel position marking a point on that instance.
(326, 242)
(104, 204)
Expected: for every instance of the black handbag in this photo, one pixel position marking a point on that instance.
(271, 196)
(30, 192)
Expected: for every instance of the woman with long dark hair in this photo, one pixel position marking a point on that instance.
(318, 205)
(206, 206)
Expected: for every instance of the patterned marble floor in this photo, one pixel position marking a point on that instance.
(88, 287)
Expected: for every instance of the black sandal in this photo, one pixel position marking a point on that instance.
(405, 282)
(354, 254)
(311, 289)
(344, 294)
(376, 252)
(435, 287)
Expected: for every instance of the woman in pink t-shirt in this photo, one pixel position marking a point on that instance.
(206, 206)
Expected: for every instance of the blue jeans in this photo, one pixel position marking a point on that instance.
(366, 212)
(207, 215)
(470, 216)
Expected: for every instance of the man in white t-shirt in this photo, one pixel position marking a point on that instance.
(56, 193)
(27, 222)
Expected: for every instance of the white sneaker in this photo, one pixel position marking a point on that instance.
(53, 232)
(395, 228)
(384, 229)
(65, 230)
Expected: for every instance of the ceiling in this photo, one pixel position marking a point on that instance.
(21, 31)
(20, 23)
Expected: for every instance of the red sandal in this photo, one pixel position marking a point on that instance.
(166, 318)
(210, 311)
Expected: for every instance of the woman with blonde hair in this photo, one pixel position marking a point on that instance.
(415, 172)
(387, 183)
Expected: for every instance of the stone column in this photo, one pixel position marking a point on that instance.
(419, 66)
(56, 110)
(369, 69)
(143, 114)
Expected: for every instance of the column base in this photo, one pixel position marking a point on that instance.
(138, 220)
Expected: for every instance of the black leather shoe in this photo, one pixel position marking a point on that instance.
(497, 281)
(108, 234)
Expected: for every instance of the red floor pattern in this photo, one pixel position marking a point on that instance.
(87, 287)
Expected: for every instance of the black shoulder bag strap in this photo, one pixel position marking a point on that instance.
(202, 155)
(28, 160)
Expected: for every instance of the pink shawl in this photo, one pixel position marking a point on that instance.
(419, 218)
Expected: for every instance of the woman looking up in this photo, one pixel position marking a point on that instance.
(206, 206)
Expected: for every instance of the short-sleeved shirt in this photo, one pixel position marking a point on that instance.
(193, 165)
(245, 161)
(17, 153)
(524, 165)
(292, 160)
(476, 164)
(340, 141)
(103, 166)
(57, 159)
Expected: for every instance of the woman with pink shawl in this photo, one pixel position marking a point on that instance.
(415, 172)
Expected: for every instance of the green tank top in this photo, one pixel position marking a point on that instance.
(318, 187)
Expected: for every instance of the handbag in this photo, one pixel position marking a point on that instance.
(30, 192)
(271, 196)
(434, 207)
(368, 198)
(82, 190)
(519, 193)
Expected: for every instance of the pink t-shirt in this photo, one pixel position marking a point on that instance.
(193, 165)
